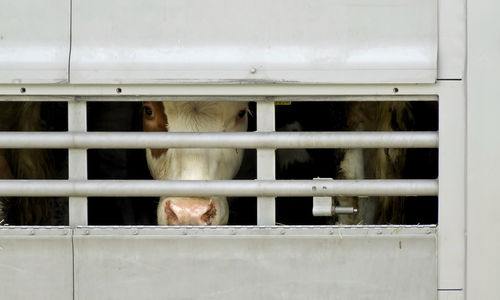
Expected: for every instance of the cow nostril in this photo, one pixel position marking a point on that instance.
(209, 216)
(170, 215)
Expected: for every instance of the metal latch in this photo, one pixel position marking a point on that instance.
(323, 206)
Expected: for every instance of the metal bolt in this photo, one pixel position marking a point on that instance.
(395, 90)
(22, 90)
(253, 70)
(118, 90)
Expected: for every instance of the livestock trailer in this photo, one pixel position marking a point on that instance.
(82, 53)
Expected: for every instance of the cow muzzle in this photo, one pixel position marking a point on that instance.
(187, 211)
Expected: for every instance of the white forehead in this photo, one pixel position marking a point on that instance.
(200, 116)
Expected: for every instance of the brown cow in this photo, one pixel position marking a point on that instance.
(194, 164)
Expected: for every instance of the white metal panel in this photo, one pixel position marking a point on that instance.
(36, 263)
(321, 41)
(34, 41)
(483, 149)
(452, 39)
(256, 263)
(451, 295)
(451, 219)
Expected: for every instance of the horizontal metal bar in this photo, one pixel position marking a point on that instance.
(134, 231)
(135, 98)
(242, 140)
(241, 188)
(218, 89)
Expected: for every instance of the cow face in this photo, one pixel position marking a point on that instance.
(194, 164)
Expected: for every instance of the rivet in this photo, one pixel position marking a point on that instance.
(395, 90)
(87, 232)
(253, 70)
(118, 90)
(32, 232)
(22, 90)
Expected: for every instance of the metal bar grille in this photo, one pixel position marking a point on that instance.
(265, 140)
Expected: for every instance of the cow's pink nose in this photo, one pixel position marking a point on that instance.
(190, 211)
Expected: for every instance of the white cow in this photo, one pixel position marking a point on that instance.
(194, 164)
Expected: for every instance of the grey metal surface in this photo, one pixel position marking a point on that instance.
(325, 262)
(242, 188)
(198, 41)
(108, 93)
(483, 145)
(36, 263)
(452, 186)
(452, 48)
(247, 140)
(34, 41)
(256, 263)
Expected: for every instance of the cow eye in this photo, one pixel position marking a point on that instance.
(148, 112)
(242, 113)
